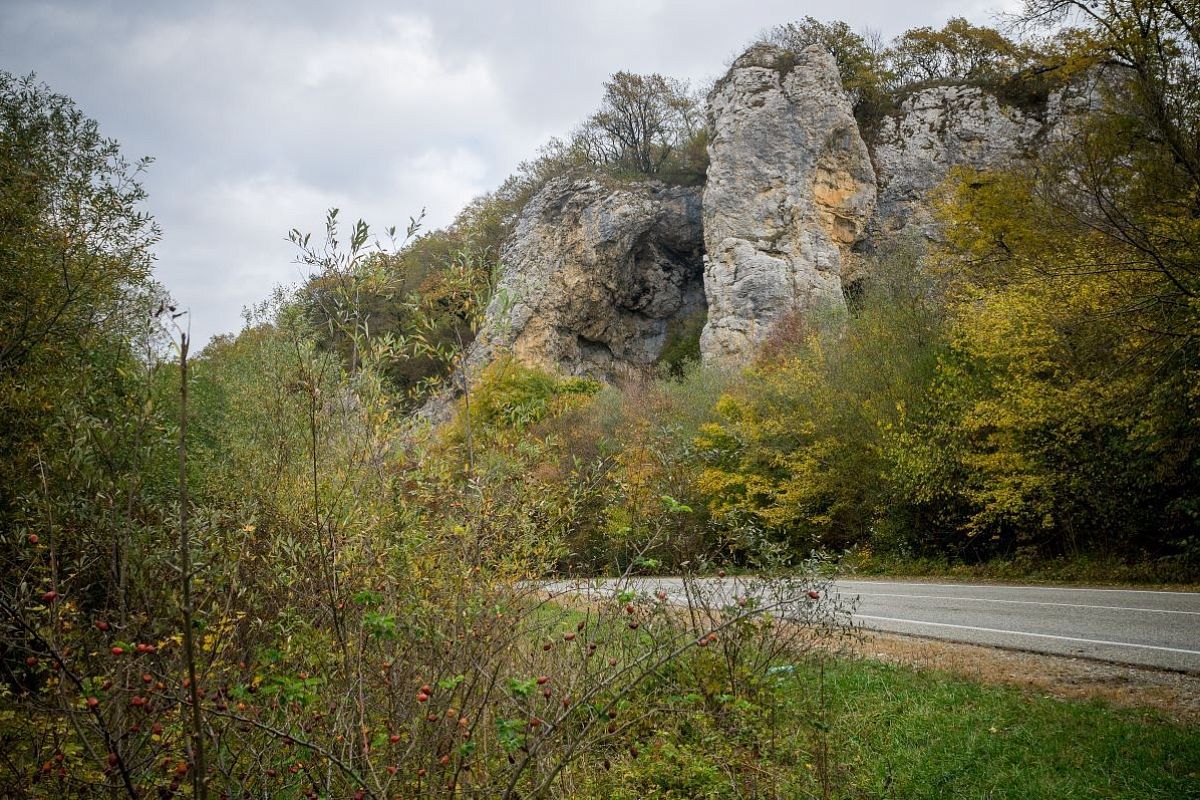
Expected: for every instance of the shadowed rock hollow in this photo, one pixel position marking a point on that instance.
(597, 275)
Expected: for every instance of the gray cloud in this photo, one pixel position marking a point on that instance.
(262, 115)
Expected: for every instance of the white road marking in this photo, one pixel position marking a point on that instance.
(1019, 602)
(1019, 588)
(1037, 635)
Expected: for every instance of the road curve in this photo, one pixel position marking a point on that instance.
(1132, 626)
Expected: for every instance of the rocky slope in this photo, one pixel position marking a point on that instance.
(599, 273)
(941, 127)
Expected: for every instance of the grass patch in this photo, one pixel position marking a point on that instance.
(898, 732)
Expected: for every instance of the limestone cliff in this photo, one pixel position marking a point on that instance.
(790, 191)
(941, 127)
(598, 273)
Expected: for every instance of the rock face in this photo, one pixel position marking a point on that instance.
(942, 127)
(939, 128)
(789, 194)
(596, 274)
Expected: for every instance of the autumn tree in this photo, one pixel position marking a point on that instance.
(799, 446)
(1132, 173)
(642, 121)
(1071, 400)
(859, 56)
(958, 50)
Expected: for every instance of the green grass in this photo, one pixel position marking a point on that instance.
(896, 732)
(893, 732)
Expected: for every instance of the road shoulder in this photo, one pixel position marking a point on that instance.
(1175, 694)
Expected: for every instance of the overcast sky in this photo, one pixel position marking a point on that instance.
(261, 114)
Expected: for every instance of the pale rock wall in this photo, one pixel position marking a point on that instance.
(789, 193)
(595, 275)
(598, 273)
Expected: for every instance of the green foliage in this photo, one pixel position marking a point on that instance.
(75, 294)
(411, 304)
(682, 347)
(958, 50)
(929, 734)
(84, 433)
(801, 445)
(366, 608)
(630, 459)
(1029, 565)
(1063, 419)
(1080, 406)
(647, 127)
(510, 397)
(1053, 410)
(861, 63)
(643, 120)
(877, 75)
(74, 243)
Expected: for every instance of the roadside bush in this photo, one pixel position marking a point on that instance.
(635, 445)
(799, 449)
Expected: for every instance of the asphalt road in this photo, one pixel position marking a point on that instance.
(1150, 628)
(1131, 626)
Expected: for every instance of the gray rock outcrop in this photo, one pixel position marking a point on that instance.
(596, 273)
(939, 128)
(789, 194)
(599, 273)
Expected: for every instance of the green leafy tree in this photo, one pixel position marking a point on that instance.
(78, 423)
(75, 247)
(958, 50)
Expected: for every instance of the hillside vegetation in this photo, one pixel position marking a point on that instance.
(247, 572)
